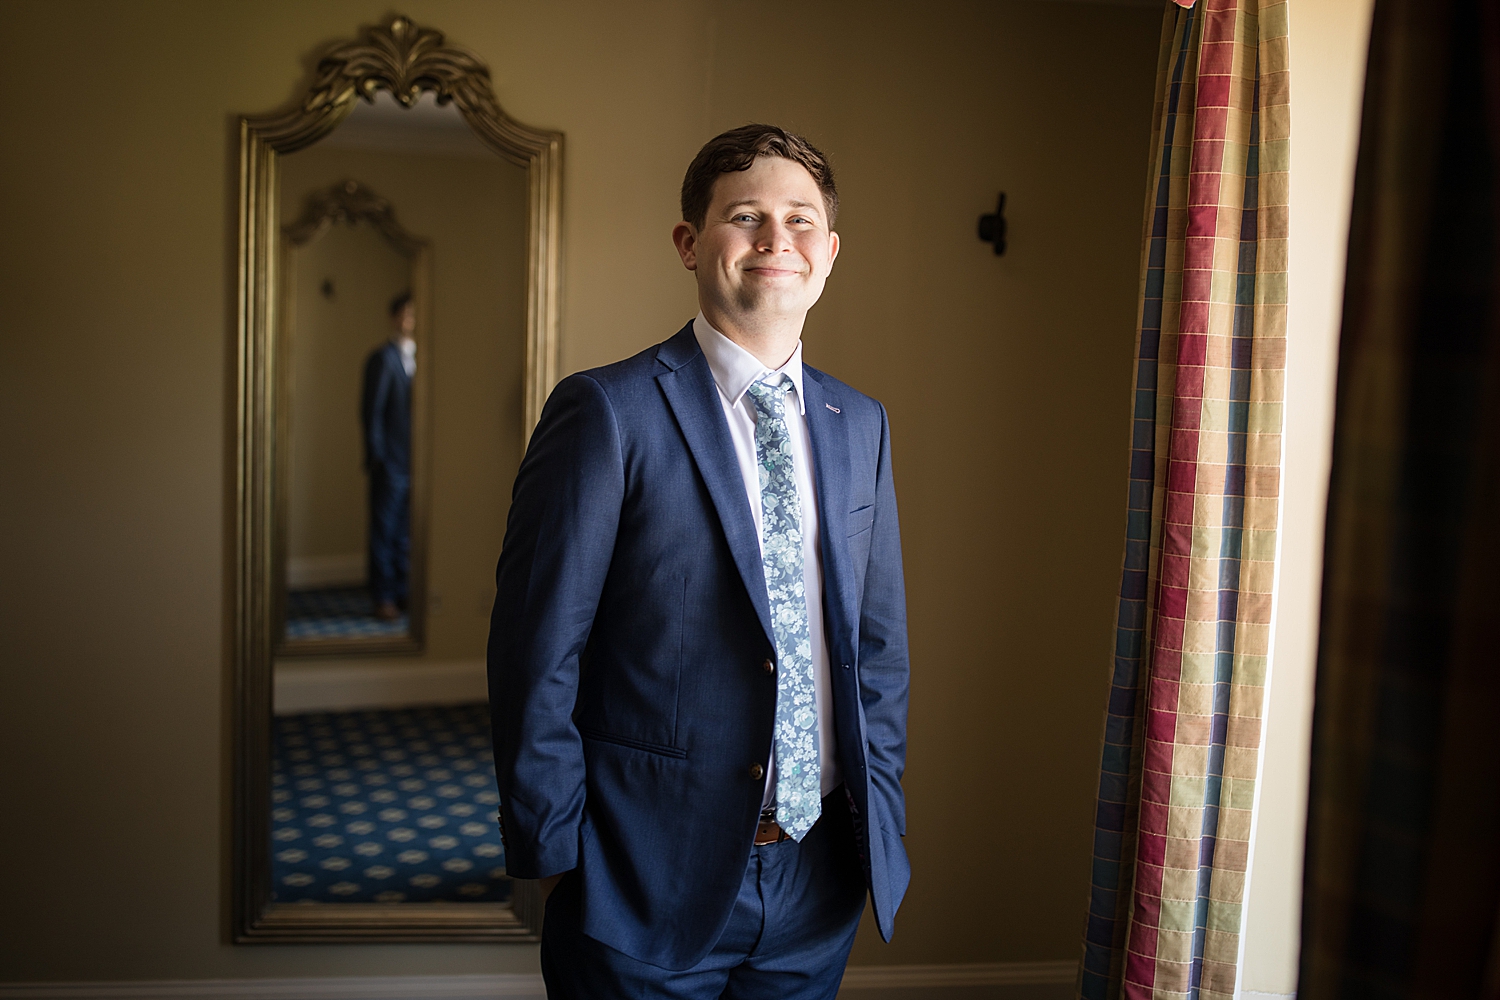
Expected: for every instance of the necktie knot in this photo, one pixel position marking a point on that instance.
(768, 395)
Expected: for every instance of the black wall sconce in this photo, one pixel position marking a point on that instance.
(992, 227)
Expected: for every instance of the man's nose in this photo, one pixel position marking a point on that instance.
(773, 237)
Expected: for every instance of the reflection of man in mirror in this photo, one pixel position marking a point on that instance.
(698, 666)
(385, 413)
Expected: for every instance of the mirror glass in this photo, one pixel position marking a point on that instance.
(399, 364)
(350, 330)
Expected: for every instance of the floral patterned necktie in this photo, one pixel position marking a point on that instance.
(795, 741)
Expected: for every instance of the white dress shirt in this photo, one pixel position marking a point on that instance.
(734, 368)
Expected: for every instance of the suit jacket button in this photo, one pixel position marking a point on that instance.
(757, 772)
(768, 666)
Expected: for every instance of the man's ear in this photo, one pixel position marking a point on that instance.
(685, 239)
(833, 248)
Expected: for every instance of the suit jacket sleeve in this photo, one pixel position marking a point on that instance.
(559, 540)
(883, 666)
(372, 402)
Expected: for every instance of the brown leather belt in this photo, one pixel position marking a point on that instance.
(769, 833)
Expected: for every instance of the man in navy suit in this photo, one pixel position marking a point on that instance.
(698, 663)
(385, 415)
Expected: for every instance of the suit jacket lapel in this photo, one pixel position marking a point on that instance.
(830, 448)
(694, 399)
(393, 363)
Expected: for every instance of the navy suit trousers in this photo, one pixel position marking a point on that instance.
(390, 533)
(788, 936)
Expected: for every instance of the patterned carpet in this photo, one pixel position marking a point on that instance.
(337, 613)
(390, 805)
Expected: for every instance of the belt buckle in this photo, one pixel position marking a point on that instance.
(768, 832)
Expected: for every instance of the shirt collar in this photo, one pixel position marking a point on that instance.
(734, 368)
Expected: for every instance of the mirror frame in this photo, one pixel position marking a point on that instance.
(406, 60)
(351, 202)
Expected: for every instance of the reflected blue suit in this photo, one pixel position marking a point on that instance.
(385, 417)
(628, 643)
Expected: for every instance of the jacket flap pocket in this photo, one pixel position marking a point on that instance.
(625, 741)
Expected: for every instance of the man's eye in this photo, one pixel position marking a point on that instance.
(744, 218)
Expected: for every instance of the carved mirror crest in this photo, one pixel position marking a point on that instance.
(386, 384)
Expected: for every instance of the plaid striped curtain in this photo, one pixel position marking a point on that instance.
(1183, 725)
(1402, 881)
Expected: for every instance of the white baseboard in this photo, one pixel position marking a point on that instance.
(323, 988)
(343, 570)
(330, 988)
(347, 685)
(913, 981)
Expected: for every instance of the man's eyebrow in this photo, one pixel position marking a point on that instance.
(754, 203)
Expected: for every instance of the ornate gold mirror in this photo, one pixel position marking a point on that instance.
(397, 338)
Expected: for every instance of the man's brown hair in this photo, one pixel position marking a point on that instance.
(738, 149)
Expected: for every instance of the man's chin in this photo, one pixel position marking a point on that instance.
(774, 305)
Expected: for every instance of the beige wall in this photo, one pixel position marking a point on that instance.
(1007, 380)
(472, 212)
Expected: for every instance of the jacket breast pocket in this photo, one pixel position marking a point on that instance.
(858, 542)
(861, 520)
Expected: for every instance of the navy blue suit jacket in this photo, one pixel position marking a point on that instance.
(385, 410)
(628, 639)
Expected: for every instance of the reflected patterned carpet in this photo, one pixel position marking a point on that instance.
(337, 613)
(387, 805)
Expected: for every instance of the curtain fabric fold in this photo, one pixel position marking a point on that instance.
(1402, 877)
(1183, 725)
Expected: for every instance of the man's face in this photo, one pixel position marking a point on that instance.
(405, 320)
(765, 248)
